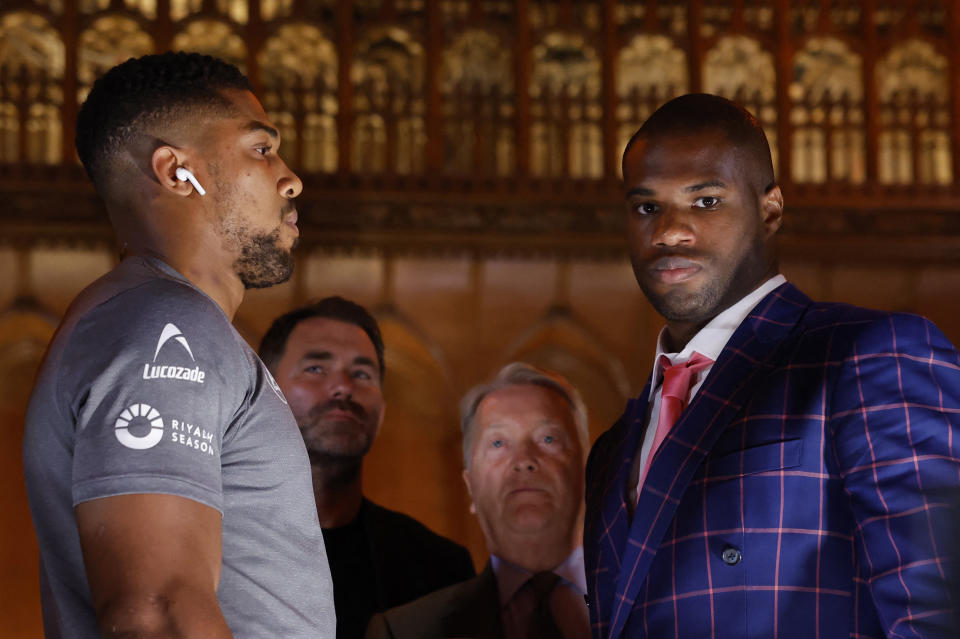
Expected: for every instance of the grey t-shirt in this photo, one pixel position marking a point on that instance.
(147, 388)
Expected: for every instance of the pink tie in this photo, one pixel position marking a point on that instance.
(677, 380)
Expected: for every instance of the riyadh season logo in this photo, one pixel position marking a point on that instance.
(153, 371)
(140, 416)
(139, 413)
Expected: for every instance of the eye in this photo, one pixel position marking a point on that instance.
(316, 369)
(706, 202)
(645, 208)
(263, 149)
(497, 443)
(361, 375)
(549, 439)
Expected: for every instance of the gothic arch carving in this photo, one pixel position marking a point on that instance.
(560, 343)
(419, 443)
(740, 68)
(826, 93)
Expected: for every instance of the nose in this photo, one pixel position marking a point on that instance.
(289, 185)
(340, 386)
(526, 459)
(672, 228)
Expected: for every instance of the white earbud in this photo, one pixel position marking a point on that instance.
(183, 175)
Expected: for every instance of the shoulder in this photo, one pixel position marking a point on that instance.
(126, 303)
(858, 331)
(410, 532)
(472, 595)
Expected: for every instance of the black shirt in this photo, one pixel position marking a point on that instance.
(384, 559)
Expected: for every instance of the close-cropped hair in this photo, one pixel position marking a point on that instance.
(274, 342)
(142, 92)
(697, 112)
(521, 374)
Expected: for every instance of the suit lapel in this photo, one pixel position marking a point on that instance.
(476, 611)
(748, 355)
(610, 526)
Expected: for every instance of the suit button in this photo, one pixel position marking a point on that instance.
(731, 556)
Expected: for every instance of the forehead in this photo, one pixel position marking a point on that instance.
(244, 115)
(322, 334)
(523, 405)
(700, 157)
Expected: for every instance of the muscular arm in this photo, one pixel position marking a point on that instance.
(153, 564)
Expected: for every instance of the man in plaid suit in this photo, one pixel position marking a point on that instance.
(805, 488)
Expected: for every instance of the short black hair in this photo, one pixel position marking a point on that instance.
(143, 91)
(698, 112)
(274, 342)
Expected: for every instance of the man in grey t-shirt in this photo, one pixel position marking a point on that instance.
(168, 482)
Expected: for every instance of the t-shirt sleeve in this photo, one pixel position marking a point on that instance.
(152, 380)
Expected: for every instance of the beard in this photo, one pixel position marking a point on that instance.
(726, 287)
(339, 440)
(263, 262)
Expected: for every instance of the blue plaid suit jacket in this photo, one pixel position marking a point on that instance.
(822, 453)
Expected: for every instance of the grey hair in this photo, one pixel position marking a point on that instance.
(521, 374)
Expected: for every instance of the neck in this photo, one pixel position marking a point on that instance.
(679, 334)
(536, 552)
(194, 264)
(192, 248)
(338, 490)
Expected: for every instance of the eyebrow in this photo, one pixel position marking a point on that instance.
(639, 190)
(326, 356)
(693, 188)
(704, 185)
(256, 125)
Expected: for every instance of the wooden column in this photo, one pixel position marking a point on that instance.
(784, 62)
(345, 47)
(255, 38)
(608, 97)
(953, 73)
(68, 111)
(522, 76)
(434, 105)
(695, 59)
(870, 97)
(163, 27)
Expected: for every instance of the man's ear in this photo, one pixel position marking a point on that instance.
(466, 480)
(771, 208)
(164, 162)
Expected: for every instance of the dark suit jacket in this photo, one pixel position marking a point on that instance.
(469, 609)
(409, 561)
(805, 492)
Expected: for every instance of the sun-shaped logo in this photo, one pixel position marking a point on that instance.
(141, 416)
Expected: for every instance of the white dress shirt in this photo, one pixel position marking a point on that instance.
(709, 341)
(566, 600)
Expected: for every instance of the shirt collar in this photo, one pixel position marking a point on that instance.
(511, 577)
(711, 339)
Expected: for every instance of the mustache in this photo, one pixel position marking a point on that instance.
(346, 405)
(676, 257)
(678, 251)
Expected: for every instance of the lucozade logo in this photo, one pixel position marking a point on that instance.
(139, 413)
(153, 371)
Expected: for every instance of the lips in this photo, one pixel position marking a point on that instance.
(517, 489)
(291, 221)
(341, 415)
(674, 269)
